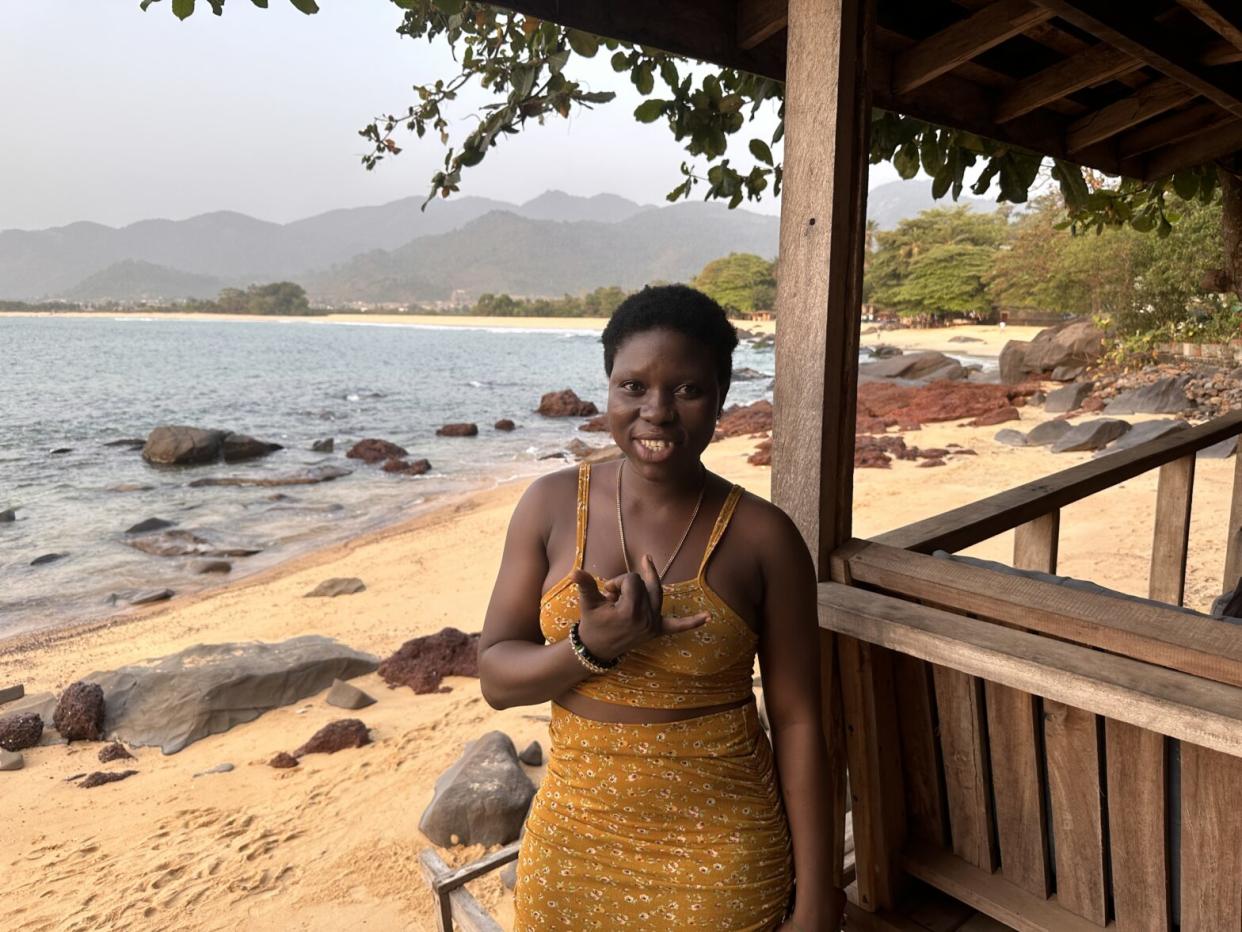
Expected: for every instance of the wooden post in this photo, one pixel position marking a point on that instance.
(1233, 553)
(1174, 493)
(1035, 543)
(819, 300)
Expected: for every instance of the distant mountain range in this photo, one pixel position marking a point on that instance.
(554, 244)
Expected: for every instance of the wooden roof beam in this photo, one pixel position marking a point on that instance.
(1171, 129)
(1208, 146)
(1086, 69)
(1148, 101)
(1228, 23)
(759, 20)
(1149, 43)
(962, 41)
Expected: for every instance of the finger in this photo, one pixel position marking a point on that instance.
(631, 593)
(588, 590)
(651, 580)
(612, 588)
(683, 623)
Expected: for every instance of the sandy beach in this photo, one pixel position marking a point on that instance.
(333, 843)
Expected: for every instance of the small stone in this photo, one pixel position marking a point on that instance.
(8, 516)
(12, 693)
(151, 524)
(219, 768)
(79, 714)
(99, 778)
(415, 468)
(48, 558)
(202, 567)
(933, 462)
(533, 755)
(60, 451)
(347, 696)
(458, 430)
(327, 445)
(504, 424)
(336, 736)
(283, 761)
(147, 596)
(114, 751)
(11, 760)
(20, 731)
(1048, 433)
(330, 588)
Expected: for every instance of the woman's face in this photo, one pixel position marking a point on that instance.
(663, 401)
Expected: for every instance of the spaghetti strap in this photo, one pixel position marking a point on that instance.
(722, 523)
(584, 495)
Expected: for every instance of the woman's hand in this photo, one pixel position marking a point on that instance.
(627, 612)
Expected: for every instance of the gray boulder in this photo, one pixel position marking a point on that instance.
(312, 476)
(1011, 438)
(1069, 398)
(179, 445)
(238, 447)
(47, 558)
(1220, 451)
(347, 696)
(327, 445)
(8, 516)
(884, 351)
(1091, 435)
(12, 693)
(481, 799)
(1065, 347)
(149, 525)
(1067, 373)
(173, 701)
(11, 760)
(1142, 433)
(331, 588)
(43, 705)
(202, 567)
(1048, 433)
(532, 756)
(1167, 396)
(1013, 362)
(928, 366)
(183, 543)
(147, 596)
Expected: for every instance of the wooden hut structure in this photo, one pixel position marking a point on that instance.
(1058, 760)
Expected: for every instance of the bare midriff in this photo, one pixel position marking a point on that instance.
(599, 711)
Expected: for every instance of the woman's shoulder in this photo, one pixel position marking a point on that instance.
(766, 524)
(552, 489)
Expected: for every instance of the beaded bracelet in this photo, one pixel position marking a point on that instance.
(585, 657)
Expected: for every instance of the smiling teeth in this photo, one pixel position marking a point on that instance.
(655, 444)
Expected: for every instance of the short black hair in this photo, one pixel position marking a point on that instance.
(679, 308)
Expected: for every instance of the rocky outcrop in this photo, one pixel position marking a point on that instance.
(149, 525)
(1048, 433)
(79, 714)
(423, 662)
(597, 424)
(533, 755)
(373, 450)
(747, 374)
(12, 693)
(1010, 437)
(8, 516)
(1142, 433)
(45, 559)
(181, 445)
(565, 403)
(183, 543)
(504, 424)
(114, 751)
(331, 588)
(283, 761)
(407, 467)
(999, 416)
(203, 567)
(879, 452)
(347, 696)
(173, 701)
(1090, 435)
(1074, 344)
(236, 448)
(20, 730)
(927, 366)
(1069, 398)
(745, 420)
(458, 430)
(882, 405)
(1166, 396)
(1220, 451)
(100, 777)
(326, 445)
(762, 455)
(336, 736)
(312, 476)
(482, 799)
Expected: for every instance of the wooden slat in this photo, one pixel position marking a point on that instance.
(823, 212)
(759, 20)
(959, 702)
(1208, 146)
(1167, 582)
(1021, 825)
(991, 893)
(1138, 827)
(1153, 633)
(963, 40)
(920, 755)
(966, 526)
(1223, 18)
(1172, 129)
(1085, 69)
(458, 909)
(1233, 551)
(475, 869)
(834, 739)
(1036, 543)
(1148, 101)
(1172, 703)
(871, 738)
(1117, 25)
(1211, 894)
(1072, 746)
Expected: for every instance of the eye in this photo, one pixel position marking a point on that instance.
(631, 386)
(689, 391)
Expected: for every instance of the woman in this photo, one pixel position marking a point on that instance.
(635, 596)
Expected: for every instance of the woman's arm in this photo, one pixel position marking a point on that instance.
(789, 661)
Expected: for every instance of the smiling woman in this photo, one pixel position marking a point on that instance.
(662, 807)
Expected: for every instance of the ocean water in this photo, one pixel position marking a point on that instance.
(78, 383)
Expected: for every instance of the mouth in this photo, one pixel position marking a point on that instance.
(654, 451)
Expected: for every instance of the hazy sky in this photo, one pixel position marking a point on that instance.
(115, 115)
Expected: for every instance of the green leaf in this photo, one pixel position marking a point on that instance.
(620, 61)
(930, 153)
(668, 71)
(1186, 184)
(305, 6)
(583, 43)
(183, 9)
(643, 78)
(759, 149)
(146, 3)
(558, 60)
(906, 160)
(261, 4)
(649, 111)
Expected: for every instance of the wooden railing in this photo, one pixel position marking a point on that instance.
(1011, 741)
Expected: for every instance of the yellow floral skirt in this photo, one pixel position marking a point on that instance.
(652, 827)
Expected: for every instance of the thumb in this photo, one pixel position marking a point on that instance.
(683, 623)
(589, 595)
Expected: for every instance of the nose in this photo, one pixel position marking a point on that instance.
(658, 407)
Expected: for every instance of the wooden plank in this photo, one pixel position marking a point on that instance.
(871, 738)
(966, 526)
(1138, 827)
(1169, 549)
(759, 20)
(458, 909)
(1085, 69)
(1152, 633)
(1148, 101)
(920, 752)
(1035, 544)
(1021, 823)
(834, 739)
(991, 893)
(1211, 895)
(475, 869)
(1075, 777)
(963, 40)
(1208, 146)
(823, 215)
(967, 776)
(923, 909)
(1226, 22)
(1175, 704)
(1150, 43)
(1233, 551)
(1172, 129)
